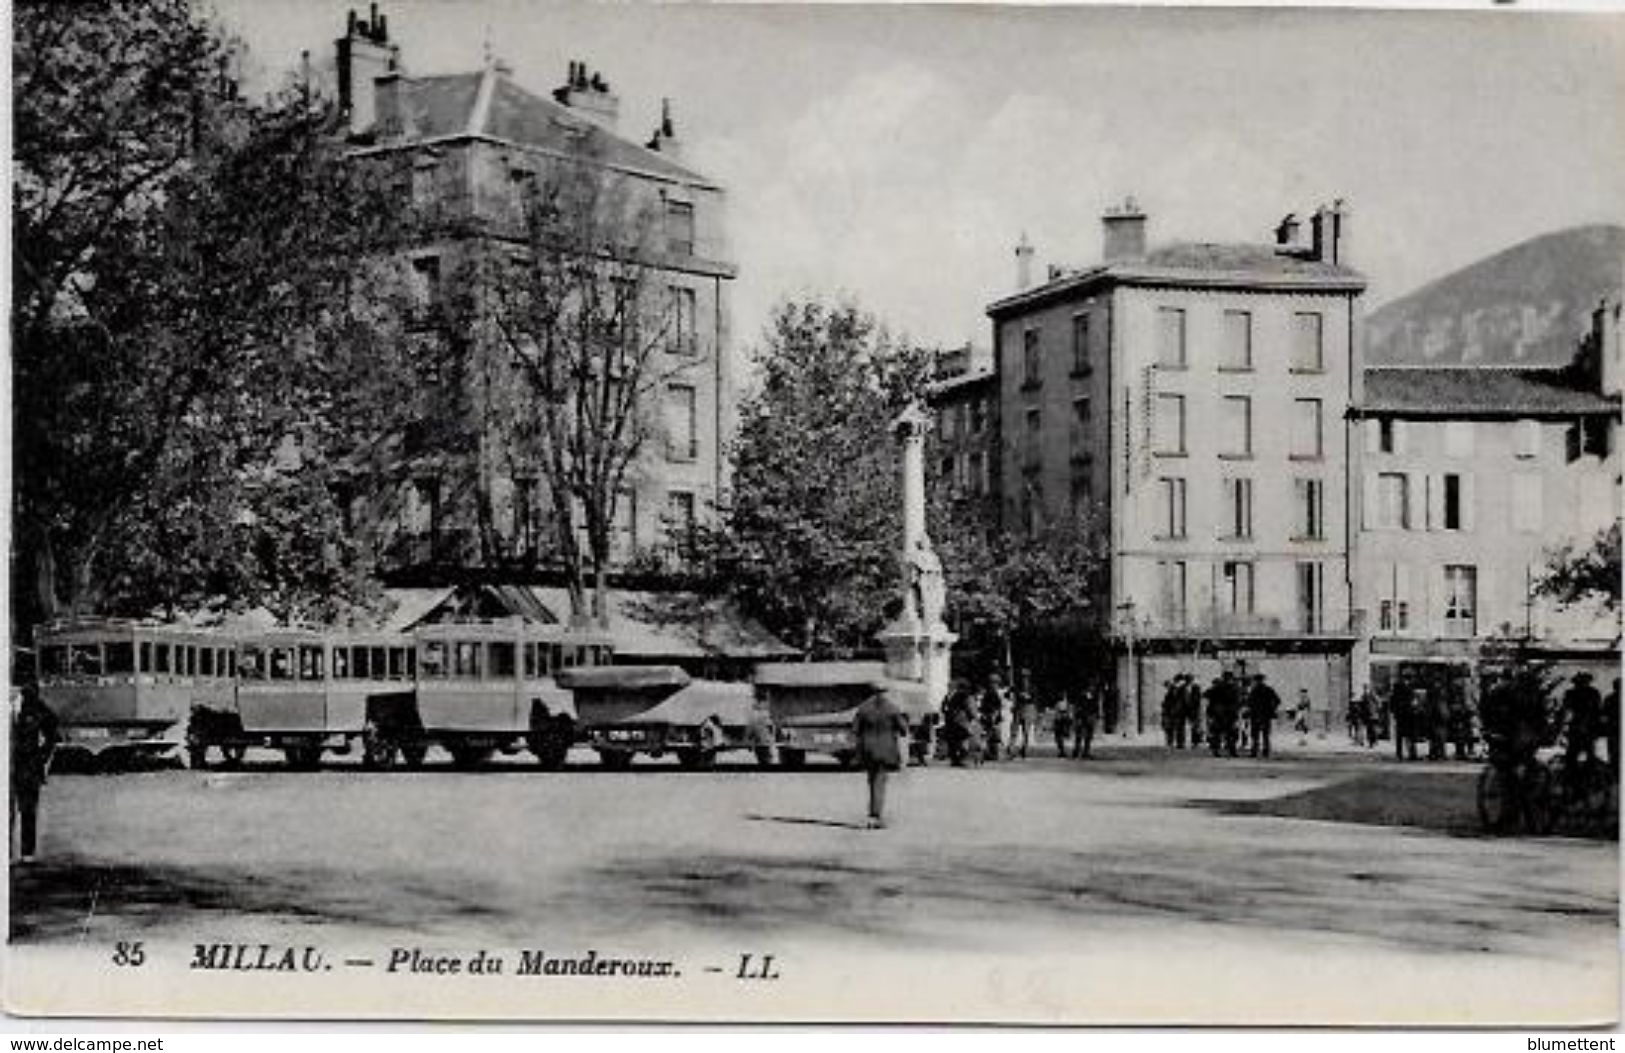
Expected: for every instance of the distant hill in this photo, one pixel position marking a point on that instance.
(1528, 305)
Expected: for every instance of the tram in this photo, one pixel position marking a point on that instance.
(122, 689)
(624, 711)
(471, 688)
(812, 705)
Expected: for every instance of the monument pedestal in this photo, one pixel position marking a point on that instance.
(919, 653)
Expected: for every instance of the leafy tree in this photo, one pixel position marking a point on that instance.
(1573, 574)
(187, 318)
(582, 312)
(807, 541)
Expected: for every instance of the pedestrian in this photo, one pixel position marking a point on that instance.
(1369, 716)
(1300, 717)
(1403, 706)
(1193, 709)
(1024, 713)
(1355, 720)
(1610, 725)
(1582, 719)
(1430, 711)
(958, 715)
(1173, 701)
(33, 742)
(1262, 705)
(1061, 723)
(1460, 723)
(878, 725)
(1084, 718)
(993, 709)
(1223, 706)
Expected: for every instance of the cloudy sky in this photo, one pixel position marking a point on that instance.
(896, 154)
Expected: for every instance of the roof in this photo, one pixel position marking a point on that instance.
(949, 387)
(622, 678)
(730, 703)
(489, 104)
(1200, 263)
(1479, 391)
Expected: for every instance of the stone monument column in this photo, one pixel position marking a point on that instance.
(918, 643)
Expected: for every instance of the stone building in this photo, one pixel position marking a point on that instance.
(1189, 398)
(964, 461)
(1470, 475)
(469, 147)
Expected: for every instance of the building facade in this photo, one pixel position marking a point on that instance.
(964, 463)
(469, 148)
(1470, 476)
(1189, 401)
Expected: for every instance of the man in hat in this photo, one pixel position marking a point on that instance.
(1262, 705)
(878, 725)
(33, 741)
(1582, 720)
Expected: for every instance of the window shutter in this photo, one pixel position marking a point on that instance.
(1469, 498)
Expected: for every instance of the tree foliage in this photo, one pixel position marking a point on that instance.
(194, 341)
(1576, 574)
(808, 539)
(584, 313)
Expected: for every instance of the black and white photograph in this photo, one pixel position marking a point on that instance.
(1063, 515)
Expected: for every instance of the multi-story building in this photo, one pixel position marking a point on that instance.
(964, 463)
(473, 146)
(1470, 476)
(1189, 400)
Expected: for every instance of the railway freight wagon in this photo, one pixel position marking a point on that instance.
(654, 710)
(122, 689)
(812, 705)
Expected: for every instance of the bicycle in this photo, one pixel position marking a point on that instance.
(1515, 794)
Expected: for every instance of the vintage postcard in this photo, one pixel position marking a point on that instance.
(859, 513)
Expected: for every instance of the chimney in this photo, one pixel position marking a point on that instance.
(1124, 232)
(1341, 234)
(364, 55)
(1320, 235)
(1602, 347)
(590, 93)
(1024, 264)
(1286, 233)
(665, 139)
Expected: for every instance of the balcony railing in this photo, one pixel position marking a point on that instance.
(1222, 624)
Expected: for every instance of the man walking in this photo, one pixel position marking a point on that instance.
(1173, 698)
(1402, 706)
(1192, 708)
(1223, 704)
(1262, 705)
(33, 741)
(1084, 719)
(1025, 716)
(878, 725)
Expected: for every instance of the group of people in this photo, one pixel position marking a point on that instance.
(1232, 714)
(994, 722)
(1442, 716)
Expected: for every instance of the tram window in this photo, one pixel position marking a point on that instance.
(120, 658)
(502, 656)
(467, 657)
(434, 660)
(281, 663)
(380, 663)
(251, 665)
(341, 663)
(397, 662)
(310, 662)
(160, 658)
(146, 657)
(530, 661)
(186, 661)
(85, 659)
(206, 662)
(411, 663)
(53, 660)
(360, 667)
(555, 656)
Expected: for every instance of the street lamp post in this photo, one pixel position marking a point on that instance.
(1127, 610)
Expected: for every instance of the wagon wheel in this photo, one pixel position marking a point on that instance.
(303, 757)
(695, 759)
(414, 753)
(764, 756)
(615, 760)
(465, 755)
(550, 742)
(232, 756)
(789, 758)
(197, 755)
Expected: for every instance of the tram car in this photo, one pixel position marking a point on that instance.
(471, 688)
(307, 692)
(485, 687)
(655, 710)
(812, 705)
(122, 689)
